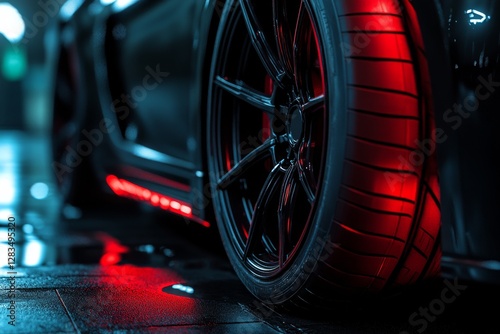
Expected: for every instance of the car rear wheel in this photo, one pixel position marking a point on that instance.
(316, 115)
(71, 165)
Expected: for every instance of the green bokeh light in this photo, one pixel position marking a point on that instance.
(14, 63)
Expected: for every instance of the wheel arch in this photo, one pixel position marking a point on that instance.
(432, 20)
(208, 27)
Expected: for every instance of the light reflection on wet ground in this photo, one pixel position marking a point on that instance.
(132, 270)
(27, 193)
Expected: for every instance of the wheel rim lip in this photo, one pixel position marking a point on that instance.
(256, 265)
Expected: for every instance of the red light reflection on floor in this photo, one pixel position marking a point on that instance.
(113, 250)
(127, 189)
(132, 294)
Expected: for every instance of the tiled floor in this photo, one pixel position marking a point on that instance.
(117, 271)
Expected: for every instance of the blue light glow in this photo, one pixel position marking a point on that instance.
(183, 288)
(39, 190)
(11, 23)
(476, 16)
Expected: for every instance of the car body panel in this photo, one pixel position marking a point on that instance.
(461, 38)
(169, 161)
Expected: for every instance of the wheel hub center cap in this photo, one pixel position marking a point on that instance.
(295, 124)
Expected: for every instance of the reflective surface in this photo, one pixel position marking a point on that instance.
(133, 270)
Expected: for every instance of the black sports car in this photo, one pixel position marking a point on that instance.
(342, 148)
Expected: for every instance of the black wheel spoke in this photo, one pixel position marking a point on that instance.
(284, 35)
(261, 43)
(305, 159)
(285, 210)
(269, 190)
(247, 94)
(307, 181)
(314, 104)
(242, 167)
(297, 46)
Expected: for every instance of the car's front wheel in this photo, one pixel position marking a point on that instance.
(315, 115)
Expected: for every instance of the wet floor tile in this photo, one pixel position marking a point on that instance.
(144, 305)
(240, 328)
(36, 311)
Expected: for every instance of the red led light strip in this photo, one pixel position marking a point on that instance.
(127, 189)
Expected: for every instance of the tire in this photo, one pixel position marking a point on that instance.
(315, 123)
